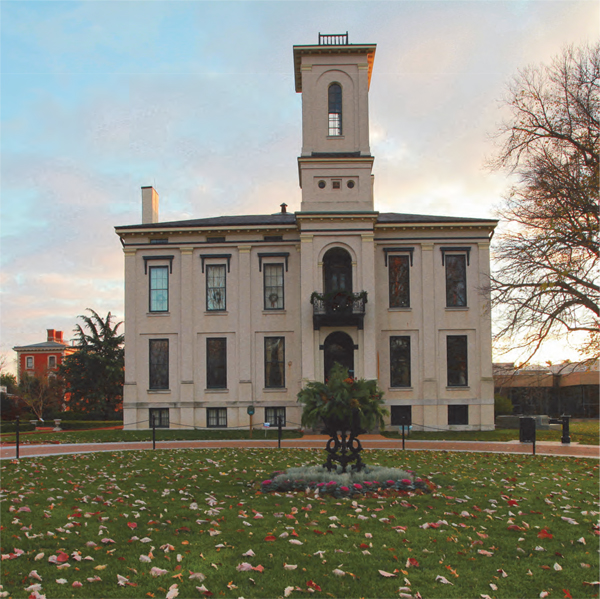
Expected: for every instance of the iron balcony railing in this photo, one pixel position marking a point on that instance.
(338, 309)
(333, 39)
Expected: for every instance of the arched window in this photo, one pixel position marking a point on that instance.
(337, 270)
(335, 109)
(339, 348)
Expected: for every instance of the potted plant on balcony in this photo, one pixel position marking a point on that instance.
(346, 407)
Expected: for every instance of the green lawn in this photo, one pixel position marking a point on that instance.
(497, 526)
(585, 432)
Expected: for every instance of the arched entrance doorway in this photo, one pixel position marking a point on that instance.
(339, 347)
(337, 270)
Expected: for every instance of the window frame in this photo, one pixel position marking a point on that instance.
(151, 289)
(278, 410)
(218, 413)
(280, 362)
(209, 268)
(52, 362)
(453, 283)
(162, 421)
(404, 338)
(334, 110)
(459, 416)
(405, 257)
(213, 383)
(452, 373)
(27, 359)
(265, 286)
(396, 416)
(153, 385)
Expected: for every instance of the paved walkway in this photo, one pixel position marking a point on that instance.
(313, 442)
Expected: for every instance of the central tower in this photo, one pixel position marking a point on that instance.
(336, 163)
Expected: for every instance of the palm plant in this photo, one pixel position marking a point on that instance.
(333, 402)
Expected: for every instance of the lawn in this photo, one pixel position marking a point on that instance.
(585, 432)
(99, 525)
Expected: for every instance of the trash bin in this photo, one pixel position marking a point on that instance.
(527, 429)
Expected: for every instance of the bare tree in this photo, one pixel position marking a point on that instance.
(545, 278)
(41, 393)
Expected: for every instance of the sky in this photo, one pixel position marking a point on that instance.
(101, 98)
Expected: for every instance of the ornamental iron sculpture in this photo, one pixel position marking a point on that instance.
(344, 446)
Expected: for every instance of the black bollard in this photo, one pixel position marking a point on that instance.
(17, 439)
(403, 437)
(154, 432)
(566, 437)
(279, 424)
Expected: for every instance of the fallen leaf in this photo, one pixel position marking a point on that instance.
(443, 580)
(173, 592)
(387, 574)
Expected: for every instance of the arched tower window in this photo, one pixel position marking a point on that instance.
(335, 109)
(337, 270)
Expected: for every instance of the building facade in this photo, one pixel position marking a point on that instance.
(43, 359)
(232, 314)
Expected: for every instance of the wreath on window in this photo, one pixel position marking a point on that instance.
(273, 298)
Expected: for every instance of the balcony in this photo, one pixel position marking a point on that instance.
(338, 308)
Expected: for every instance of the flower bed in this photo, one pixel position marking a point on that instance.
(318, 480)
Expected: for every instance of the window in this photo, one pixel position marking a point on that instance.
(456, 348)
(29, 362)
(456, 281)
(273, 286)
(216, 417)
(274, 362)
(216, 363)
(215, 287)
(458, 415)
(399, 361)
(336, 184)
(159, 289)
(335, 109)
(272, 416)
(159, 417)
(399, 281)
(401, 415)
(51, 361)
(337, 270)
(159, 363)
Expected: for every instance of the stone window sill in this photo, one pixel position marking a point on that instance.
(159, 390)
(457, 308)
(275, 390)
(216, 390)
(152, 314)
(458, 388)
(400, 389)
(274, 311)
(216, 313)
(400, 309)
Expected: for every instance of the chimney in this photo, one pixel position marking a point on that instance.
(50, 334)
(58, 336)
(149, 205)
(283, 208)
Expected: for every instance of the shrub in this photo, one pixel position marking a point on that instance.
(75, 425)
(11, 426)
(502, 405)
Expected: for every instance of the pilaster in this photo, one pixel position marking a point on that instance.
(244, 337)
(369, 349)
(186, 349)
(428, 326)
(307, 286)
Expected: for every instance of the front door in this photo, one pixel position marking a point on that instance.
(339, 347)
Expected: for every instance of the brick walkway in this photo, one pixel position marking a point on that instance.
(313, 442)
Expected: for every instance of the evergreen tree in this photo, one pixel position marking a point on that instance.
(94, 374)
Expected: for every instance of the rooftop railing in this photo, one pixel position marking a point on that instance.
(335, 39)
